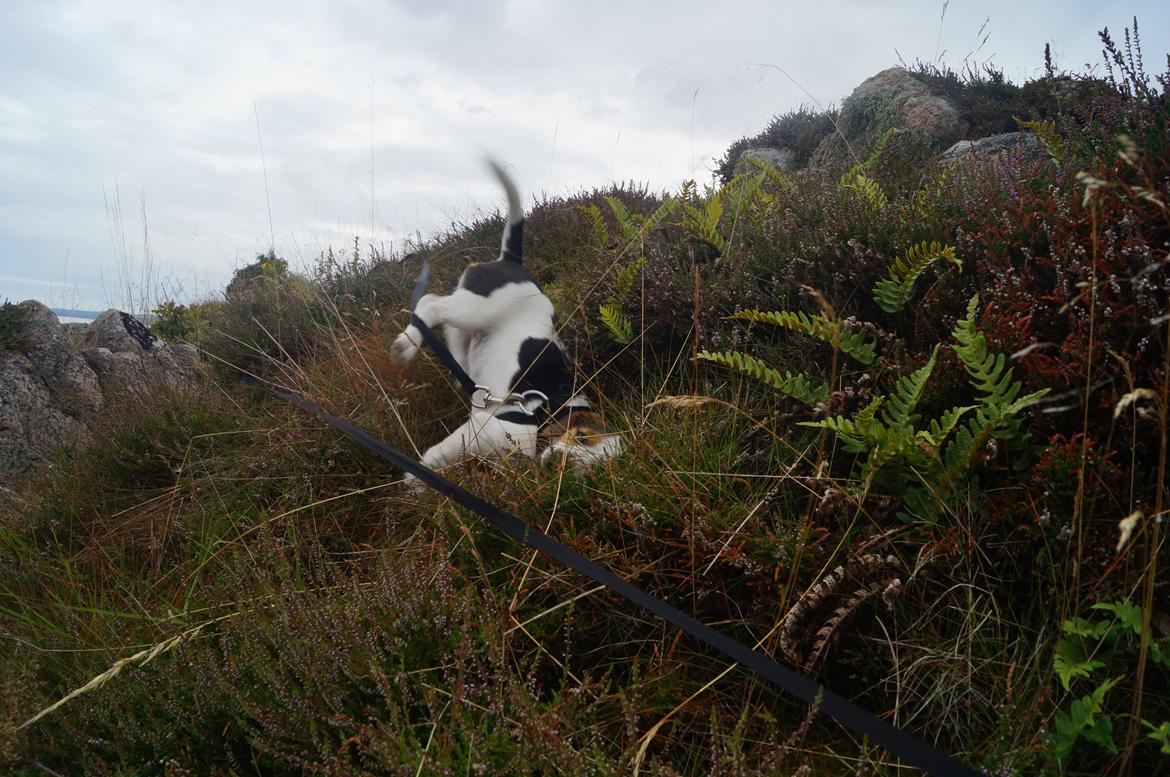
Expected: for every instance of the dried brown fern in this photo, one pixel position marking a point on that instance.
(816, 622)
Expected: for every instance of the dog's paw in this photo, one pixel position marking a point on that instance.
(412, 484)
(402, 350)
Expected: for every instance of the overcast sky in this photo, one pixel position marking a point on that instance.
(375, 117)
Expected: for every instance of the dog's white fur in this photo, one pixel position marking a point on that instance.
(485, 334)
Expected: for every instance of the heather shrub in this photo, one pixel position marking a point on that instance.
(799, 131)
(184, 323)
(268, 314)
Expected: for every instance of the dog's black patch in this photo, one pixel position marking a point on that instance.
(514, 245)
(543, 367)
(483, 279)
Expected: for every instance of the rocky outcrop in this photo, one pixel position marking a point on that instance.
(53, 387)
(891, 100)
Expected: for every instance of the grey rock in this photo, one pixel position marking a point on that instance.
(186, 355)
(31, 425)
(109, 330)
(70, 381)
(76, 332)
(779, 158)
(1024, 144)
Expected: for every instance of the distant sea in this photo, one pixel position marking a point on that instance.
(71, 316)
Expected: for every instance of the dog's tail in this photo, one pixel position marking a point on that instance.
(512, 244)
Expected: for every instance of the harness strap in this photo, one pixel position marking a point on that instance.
(845, 712)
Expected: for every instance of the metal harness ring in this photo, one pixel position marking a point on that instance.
(482, 397)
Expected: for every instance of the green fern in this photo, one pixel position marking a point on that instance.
(892, 293)
(702, 217)
(1000, 394)
(855, 344)
(899, 410)
(858, 180)
(617, 322)
(938, 458)
(867, 190)
(771, 174)
(997, 414)
(879, 148)
(886, 427)
(859, 433)
(599, 231)
(744, 194)
(660, 214)
(1045, 130)
(703, 222)
(796, 386)
(627, 223)
(778, 187)
(928, 197)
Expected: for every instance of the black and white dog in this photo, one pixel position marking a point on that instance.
(498, 325)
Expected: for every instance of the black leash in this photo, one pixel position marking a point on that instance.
(845, 712)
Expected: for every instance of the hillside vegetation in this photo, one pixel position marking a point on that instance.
(901, 425)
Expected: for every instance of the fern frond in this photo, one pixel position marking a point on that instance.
(625, 280)
(928, 195)
(879, 147)
(599, 232)
(796, 386)
(665, 209)
(627, 223)
(744, 192)
(899, 410)
(857, 434)
(999, 401)
(1045, 130)
(867, 189)
(988, 371)
(612, 316)
(856, 344)
(771, 174)
(892, 293)
(940, 428)
(703, 222)
(618, 323)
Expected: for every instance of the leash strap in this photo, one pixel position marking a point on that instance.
(845, 712)
(445, 356)
(436, 345)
